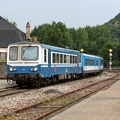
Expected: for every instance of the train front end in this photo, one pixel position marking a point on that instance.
(23, 63)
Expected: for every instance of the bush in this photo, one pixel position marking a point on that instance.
(116, 63)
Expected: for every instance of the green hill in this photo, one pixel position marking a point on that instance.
(114, 27)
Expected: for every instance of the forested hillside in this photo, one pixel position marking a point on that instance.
(114, 26)
(95, 40)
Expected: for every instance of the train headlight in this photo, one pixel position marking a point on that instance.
(34, 69)
(31, 69)
(12, 69)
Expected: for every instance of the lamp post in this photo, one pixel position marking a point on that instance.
(110, 62)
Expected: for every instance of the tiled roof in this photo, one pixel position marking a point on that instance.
(10, 36)
(9, 33)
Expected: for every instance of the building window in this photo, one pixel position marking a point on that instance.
(1, 56)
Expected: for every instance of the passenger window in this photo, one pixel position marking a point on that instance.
(53, 57)
(45, 57)
(67, 58)
(61, 58)
(64, 58)
(57, 58)
(80, 59)
(75, 59)
(71, 59)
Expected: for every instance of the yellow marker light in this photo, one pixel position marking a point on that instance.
(110, 50)
(81, 50)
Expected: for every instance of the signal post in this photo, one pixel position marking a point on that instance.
(110, 62)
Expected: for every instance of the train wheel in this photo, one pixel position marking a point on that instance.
(45, 81)
(54, 80)
(37, 83)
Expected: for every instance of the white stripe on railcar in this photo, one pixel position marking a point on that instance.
(88, 68)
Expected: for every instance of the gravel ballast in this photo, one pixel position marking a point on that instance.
(12, 103)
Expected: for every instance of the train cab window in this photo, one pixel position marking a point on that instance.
(45, 55)
(13, 53)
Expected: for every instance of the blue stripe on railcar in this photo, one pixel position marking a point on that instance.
(46, 71)
(55, 70)
(23, 69)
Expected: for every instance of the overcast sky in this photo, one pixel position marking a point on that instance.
(73, 13)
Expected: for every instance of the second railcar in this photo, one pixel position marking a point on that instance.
(91, 64)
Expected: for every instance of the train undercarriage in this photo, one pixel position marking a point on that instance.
(35, 80)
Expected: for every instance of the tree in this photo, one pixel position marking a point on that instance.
(55, 34)
(95, 40)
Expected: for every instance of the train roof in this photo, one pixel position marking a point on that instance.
(58, 48)
(48, 46)
(24, 42)
(84, 54)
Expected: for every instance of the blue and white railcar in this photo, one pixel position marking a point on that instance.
(101, 64)
(30, 63)
(91, 64)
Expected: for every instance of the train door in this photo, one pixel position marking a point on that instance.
(49, 62)
(82, 62)
(79, 63)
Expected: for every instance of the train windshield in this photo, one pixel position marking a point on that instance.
(29, 53)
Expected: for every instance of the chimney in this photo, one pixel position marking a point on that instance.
(28, 30)
(35, 39)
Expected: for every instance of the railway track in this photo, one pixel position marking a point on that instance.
(48, 107)
(112, 70)
(11, 91)
(15, 90)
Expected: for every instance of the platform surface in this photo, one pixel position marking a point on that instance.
(4, 84)
(104, 105)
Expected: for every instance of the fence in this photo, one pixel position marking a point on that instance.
(3, 70)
